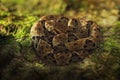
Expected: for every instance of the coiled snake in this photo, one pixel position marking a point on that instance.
(60, 40)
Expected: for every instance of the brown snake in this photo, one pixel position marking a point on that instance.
(60, 40)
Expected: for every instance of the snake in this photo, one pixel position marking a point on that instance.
(60, 40)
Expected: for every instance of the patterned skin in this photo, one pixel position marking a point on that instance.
(60, 40)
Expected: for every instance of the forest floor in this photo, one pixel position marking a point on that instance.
(17, 57)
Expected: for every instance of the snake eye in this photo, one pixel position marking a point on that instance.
(36, 38)
(33, 37)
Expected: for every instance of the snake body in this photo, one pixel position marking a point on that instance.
(59, 40)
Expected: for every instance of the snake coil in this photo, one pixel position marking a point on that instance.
(60, 40)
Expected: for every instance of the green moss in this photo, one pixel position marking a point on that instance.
(116, 30)
(18, 59)
(112, 43)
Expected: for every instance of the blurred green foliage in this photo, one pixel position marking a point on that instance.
(39, 6)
